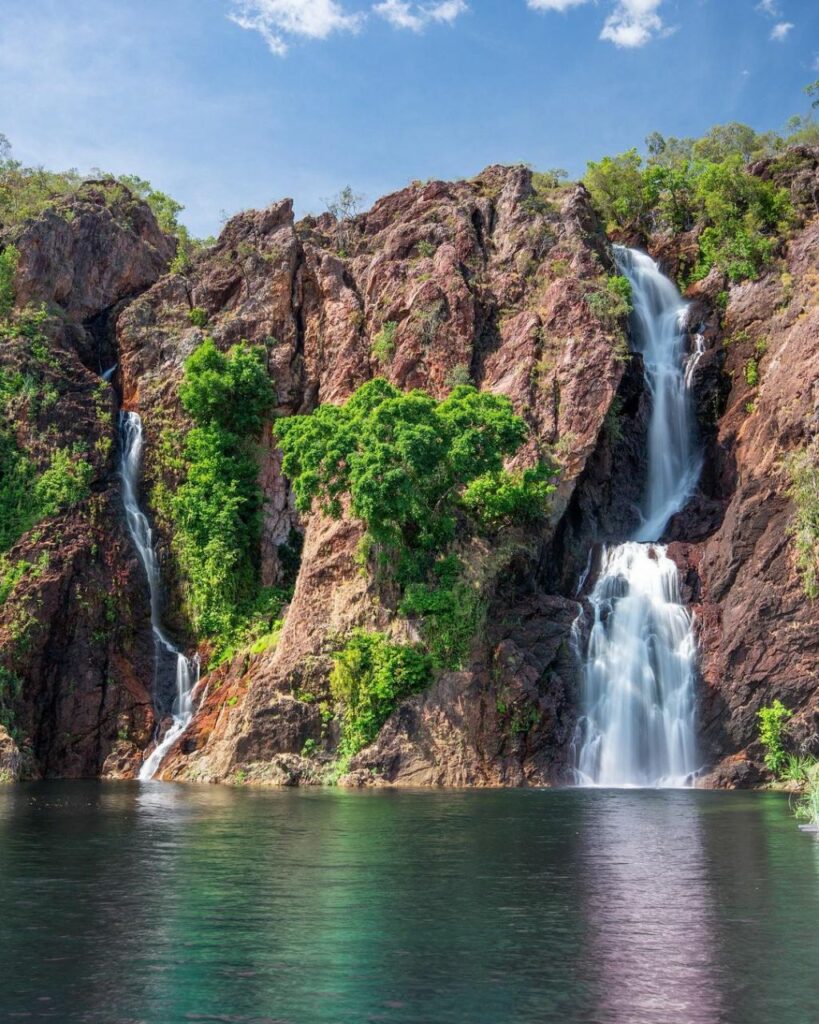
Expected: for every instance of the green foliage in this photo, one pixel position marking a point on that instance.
(426, 249)
(548, 180)
(383, 344)
(458, 376)
(370, 676)
(164, 208)
(450, 613)
(509, 496)
(9, 259)
(808, 807)
(617, 189)
(403, 459)
(12, 572)
(10, 689)
(412, 468)
(743, 213)
(216, 510)
(63, 484)
(198, 316)
(802, 468)
(771, 725)
(17, 476)
(187, 248)
(611, 302)
(216, 513)
(752, 373)
(686, 182)
(231, 392)
(797, 768)
(26, 497)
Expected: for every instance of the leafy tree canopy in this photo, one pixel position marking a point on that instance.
(409, 464)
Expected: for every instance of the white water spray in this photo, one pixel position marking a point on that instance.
(187, 669)
(638, 679)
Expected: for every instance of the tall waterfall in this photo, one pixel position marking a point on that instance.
(167, 656)
(637, 727)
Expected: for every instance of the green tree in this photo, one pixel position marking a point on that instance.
(745, 215)
(404, 460)
(616, 187)
(230, 391)
(216, 510)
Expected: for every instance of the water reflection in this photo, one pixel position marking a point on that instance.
(166, 903)
(649, 904)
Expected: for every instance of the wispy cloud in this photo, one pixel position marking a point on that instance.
(769, 7)
(632, 23)
(780, 31)
(279, 21)
(416, 16)
(554, 5)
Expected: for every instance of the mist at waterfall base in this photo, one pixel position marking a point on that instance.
(638, 702)
(168, 903)
(175, 675)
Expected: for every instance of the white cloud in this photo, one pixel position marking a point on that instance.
(633, 23)
(769, 7)
(780, 31)
(416, 16)
(554, 5)
(279, 20)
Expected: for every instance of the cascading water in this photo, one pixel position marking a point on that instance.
(638, 679)
(166, 653)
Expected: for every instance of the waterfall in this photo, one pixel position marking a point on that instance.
(637, 727)
(166, 653)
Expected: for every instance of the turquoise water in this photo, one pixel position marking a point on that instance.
(124, 904)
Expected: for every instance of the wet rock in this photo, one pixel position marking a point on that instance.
(11, 761)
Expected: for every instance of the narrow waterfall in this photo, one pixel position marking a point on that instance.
(168, 659)
(637, 727)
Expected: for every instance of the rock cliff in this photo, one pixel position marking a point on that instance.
(485, 280)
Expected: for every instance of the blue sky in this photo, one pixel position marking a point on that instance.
(228, 104)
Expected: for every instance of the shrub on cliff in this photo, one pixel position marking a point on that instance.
(771, 726)
(216, 510)
(370, 676)
(406, 462)
(417, 471)
(802, 468)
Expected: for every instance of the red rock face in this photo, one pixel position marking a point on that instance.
(759, 633)
(484, 279)
(75, 630)
(481, 279)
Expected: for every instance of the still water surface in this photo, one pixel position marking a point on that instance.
(157, 904)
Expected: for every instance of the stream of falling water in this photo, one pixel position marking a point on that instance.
(165, 651)
(638, 721)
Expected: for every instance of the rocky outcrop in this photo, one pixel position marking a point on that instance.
(439, 283)
(76, 650)
(11, 760)
(97, 247)
(483, 280)
(758, 632)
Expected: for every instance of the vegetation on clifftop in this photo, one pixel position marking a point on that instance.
(703, 184)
